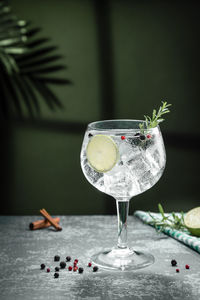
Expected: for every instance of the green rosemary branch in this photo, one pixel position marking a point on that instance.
(156, 117)
(173, 221)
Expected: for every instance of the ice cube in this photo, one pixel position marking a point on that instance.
(156, 156)
(118, 182)
(125, 151)
(138, 164)
(90, 173)
(154, 166)
(146, 181)
(159, 156)
(128, 150)
(100, 184)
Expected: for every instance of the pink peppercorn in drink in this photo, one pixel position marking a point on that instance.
(122, 162)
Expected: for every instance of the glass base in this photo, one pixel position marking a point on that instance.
(125, 259)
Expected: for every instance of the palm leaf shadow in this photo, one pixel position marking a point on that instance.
(27, 67)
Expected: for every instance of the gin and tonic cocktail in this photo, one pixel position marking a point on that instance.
(121, 160)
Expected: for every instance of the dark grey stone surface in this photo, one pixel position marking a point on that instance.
(22, 251)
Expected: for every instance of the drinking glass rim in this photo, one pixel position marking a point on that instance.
(91, 126)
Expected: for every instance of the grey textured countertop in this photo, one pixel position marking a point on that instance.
(22, 251)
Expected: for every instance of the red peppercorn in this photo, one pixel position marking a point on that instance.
(187, 266)
(75, 264)
(75, 269)
(48, 270)
(177, 270)
(76, 260)
(123, 137)
(89, 264)
(70, 268)
(149, 136)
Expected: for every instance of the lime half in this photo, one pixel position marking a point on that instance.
(192, 221)
(102, 153)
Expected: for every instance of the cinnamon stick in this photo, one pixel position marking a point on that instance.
(50, 219)
(39, 224)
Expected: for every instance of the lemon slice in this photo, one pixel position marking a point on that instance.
(102, 153)
(192, 221)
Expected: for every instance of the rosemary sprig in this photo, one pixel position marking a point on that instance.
(173, 221)
(156, 117)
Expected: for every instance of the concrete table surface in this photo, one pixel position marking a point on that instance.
(22, 251)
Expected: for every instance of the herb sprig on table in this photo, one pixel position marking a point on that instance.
(173, 221)
(151, 122)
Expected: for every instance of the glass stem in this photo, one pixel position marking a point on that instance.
(122, 216)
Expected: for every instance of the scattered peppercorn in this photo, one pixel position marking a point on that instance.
(42, 266)
(56, 258)
(56, 275)
(123, 137)
(187, 266)
(137, 134)
(62, 264)
(90, 135)
(173, 262)
(68, 258)
(80, 270)
(95, 269)
(177, 270)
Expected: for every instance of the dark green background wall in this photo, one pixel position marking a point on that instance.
(123, 58)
